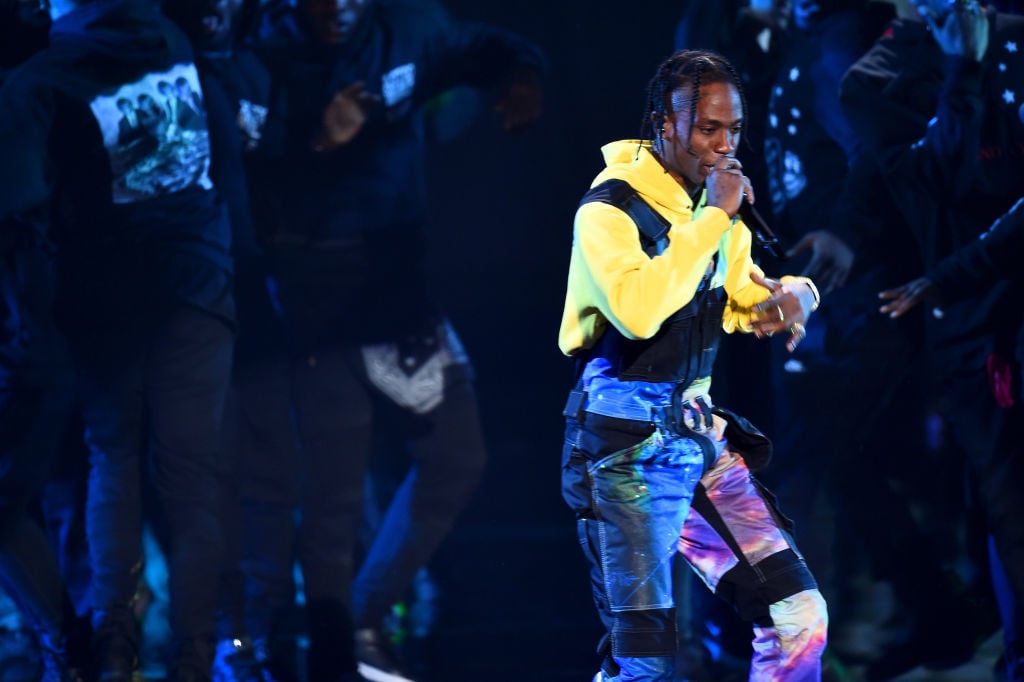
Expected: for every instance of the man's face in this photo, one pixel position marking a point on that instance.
(209, 23)
(217, 22)
(333, 21)
(688, 156)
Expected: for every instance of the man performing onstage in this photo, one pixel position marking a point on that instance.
(660, 263)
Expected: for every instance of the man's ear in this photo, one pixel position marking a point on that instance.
(663, 127)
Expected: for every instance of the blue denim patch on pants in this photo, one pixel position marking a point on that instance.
(641, 496)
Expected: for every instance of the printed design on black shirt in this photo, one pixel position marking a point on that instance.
(1008, 78)
(412, 372)
(1009, 55)
(251, 119)
(786, 175)
(396, 88)
(155, 133)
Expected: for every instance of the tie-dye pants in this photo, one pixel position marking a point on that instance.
(641, 506)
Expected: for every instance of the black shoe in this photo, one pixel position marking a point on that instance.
(378, 660)
(194, 662)
(116, 658)
(331, 656)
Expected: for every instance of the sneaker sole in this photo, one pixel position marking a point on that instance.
(377, 675)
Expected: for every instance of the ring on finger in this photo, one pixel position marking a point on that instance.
(798, 330)
(782, 317)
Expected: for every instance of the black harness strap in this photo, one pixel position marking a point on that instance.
(652, 226)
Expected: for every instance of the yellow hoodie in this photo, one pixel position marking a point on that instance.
(612, 280)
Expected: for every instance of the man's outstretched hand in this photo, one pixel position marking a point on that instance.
(906, 296)
(345, 116)
(831, 259)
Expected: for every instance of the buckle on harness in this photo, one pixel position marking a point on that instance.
(692, 419)
(574, 405)
(692, 415)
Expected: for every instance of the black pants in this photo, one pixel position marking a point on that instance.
(35, 394)
(156, 389)
(992, 438)
(29, 439)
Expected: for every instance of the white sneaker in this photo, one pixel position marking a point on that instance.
(375, 674)
(378, 661)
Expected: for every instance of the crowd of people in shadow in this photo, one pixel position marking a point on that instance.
(215, 305)
(214, 215)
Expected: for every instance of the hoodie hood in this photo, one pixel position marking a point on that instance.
(121, 29)
(632, 161)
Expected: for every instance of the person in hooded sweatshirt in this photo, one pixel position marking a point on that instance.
(655, 472)
(340, 205)
(143, 298)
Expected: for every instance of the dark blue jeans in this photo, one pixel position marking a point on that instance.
(152, 396)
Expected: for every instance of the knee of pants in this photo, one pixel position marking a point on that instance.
(801, 622)
(644, 633)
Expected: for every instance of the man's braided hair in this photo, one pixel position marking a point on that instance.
(693, 68)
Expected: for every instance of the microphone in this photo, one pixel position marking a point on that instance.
(763, 235)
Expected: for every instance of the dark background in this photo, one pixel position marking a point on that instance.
(515, 601)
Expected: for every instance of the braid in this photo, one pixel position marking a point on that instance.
(743, 100)
(697, 82)
(693, 68)
(656, 92)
